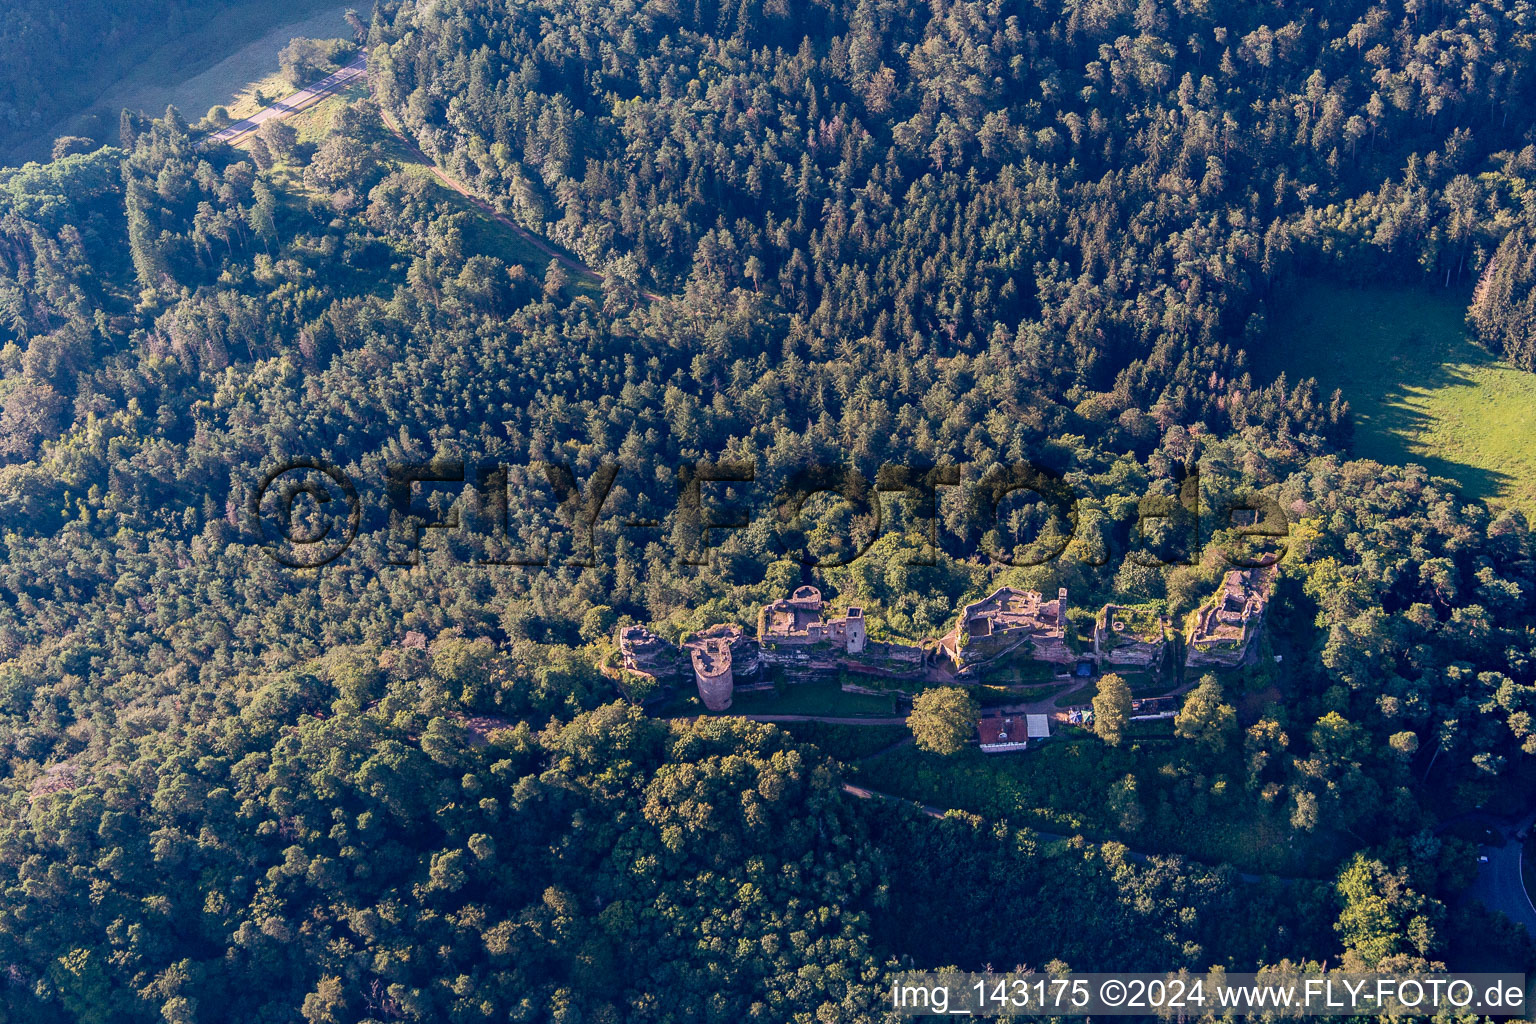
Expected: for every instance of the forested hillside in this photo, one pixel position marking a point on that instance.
(1115, 185)
(971, 234)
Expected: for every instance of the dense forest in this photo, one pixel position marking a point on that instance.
(856, 234)
(1117, 186)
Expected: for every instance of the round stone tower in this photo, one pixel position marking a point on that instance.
(712, 672)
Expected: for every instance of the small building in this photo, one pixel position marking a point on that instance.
(1002, 734)
(1225, 627)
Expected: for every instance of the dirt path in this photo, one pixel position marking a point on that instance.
(574, 266)
(870, 794)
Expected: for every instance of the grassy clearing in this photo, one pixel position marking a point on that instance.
(1020, 672)
(847, 743)
(314, 124)
(483, 232)
(819, 698)
(997, 696)
(222, 61)
(1072, 698)
(1421, 391)
(490, 236)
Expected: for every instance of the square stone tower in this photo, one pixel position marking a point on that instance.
(856, 634)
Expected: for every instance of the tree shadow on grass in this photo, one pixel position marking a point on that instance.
(1390, 351)
(1399, 423)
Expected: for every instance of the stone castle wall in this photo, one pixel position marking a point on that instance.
(797, 643)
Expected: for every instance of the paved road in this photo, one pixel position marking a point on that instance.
(1499, 885)
(296, 103)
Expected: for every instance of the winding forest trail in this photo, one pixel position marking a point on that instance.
(575, 266)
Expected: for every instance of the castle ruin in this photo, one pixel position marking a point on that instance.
(1225, 626)
(1130, 638)
(796, 622)
(712, 672)
(646, 654)
(795, 636)
(1005, 621)
(797, 641)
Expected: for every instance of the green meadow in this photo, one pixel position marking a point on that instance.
(1421, 390)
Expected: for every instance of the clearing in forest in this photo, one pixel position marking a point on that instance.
(1420, 389)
